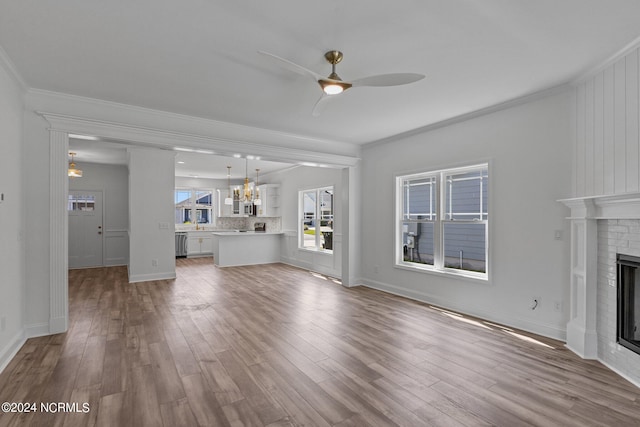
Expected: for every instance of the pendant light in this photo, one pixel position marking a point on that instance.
(257, 201)
(228, 200)
(73, 172)
(247, 190)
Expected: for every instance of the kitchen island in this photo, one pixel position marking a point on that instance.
(235, 248)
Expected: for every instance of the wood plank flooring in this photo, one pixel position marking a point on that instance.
(279, 346)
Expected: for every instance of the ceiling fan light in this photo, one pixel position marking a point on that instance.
(333, 86)
(332, 89)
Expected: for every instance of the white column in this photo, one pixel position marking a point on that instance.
(581, 330)
(58, 226)
(350, 199)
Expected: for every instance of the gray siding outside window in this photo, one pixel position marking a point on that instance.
(463, 226)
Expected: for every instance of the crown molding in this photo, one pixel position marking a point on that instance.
(593, 71)
(167, 139)
(7, 64)
(108, 111)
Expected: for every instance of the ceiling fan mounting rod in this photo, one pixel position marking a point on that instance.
(333, 57)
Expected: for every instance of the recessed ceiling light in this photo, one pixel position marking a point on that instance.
(181, 162)
(237, 156)
(86, 137)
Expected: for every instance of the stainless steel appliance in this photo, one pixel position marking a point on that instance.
(181, 244)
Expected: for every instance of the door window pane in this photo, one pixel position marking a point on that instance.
(309, 219)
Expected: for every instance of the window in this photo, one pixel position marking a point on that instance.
(316, 219)
(443, 219)
(79, 202)
(193, 205)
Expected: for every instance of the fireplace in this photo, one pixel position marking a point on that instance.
(628, 310)
(603, 230)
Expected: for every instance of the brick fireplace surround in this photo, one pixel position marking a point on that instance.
(601, 227)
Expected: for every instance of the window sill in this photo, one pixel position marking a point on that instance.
(451, 273)
(316, 251)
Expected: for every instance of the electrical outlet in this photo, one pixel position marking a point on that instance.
(557, 306)
(557, 235)
(154, 262)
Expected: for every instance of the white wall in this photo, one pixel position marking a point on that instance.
(151, 214)
(607, 125)
(291, 182)
(529, 150)
(12, 254)
(113, 181)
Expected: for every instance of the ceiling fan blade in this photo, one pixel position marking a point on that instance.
(320, 104)
(382, 80)
(291, 66)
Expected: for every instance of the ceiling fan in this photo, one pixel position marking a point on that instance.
(334, 85)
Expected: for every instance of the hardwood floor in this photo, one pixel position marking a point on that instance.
(279, 346)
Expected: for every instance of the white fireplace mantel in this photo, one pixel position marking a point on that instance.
(585, 211)
(621, 206)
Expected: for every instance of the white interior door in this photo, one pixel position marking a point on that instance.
(85, 228)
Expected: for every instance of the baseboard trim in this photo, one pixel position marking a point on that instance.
(309, 267)
(36, 330)
(633, 381)
(525, 325)
(136, 278)
(11, 349)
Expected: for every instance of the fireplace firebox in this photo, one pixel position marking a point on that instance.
(628, 312)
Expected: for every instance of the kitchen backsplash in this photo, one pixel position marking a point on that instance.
(238, 223)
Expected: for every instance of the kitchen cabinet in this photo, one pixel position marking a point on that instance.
(270, 195)
(237, 209)
(199, 243)
(232, 248)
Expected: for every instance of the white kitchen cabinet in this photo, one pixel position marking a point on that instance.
(234, 210)
(199, 243)
(270, 195)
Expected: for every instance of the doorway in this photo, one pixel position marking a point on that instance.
(85, 228)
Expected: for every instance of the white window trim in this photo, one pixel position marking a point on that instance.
(438, 265)
(192, 202)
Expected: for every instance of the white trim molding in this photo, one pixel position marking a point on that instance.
(58, 232)
(169, 140)
(11, 349)
(7, 64)
(582, 336)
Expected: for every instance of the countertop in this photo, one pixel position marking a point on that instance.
(243, 233)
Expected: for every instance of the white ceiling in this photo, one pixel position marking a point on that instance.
(199, 57)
